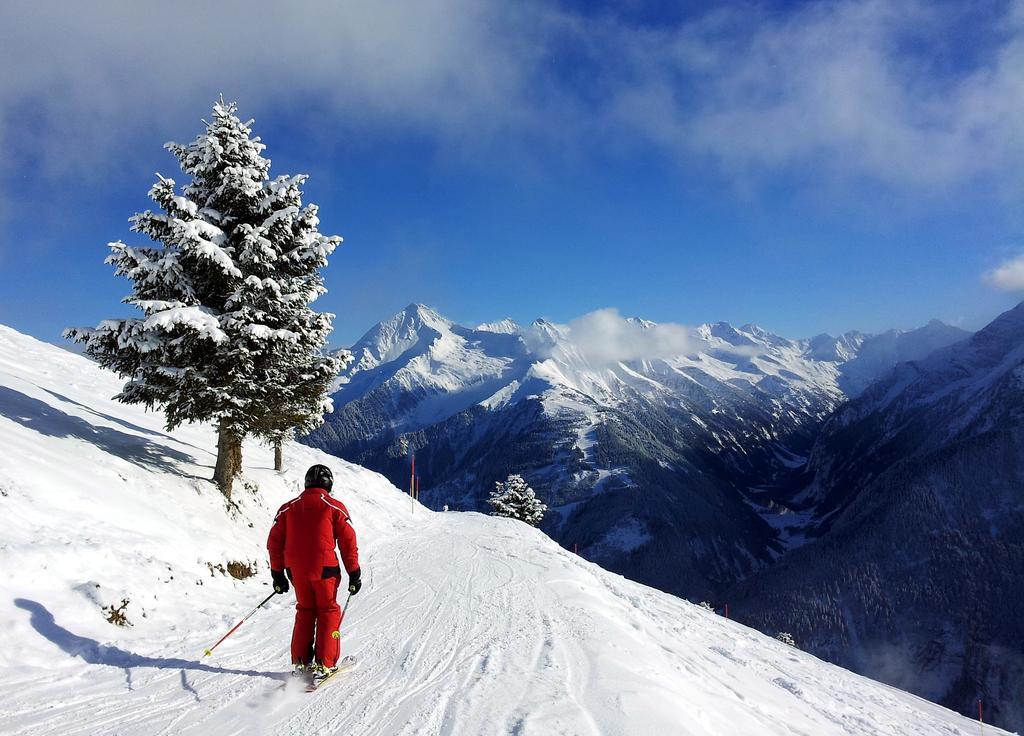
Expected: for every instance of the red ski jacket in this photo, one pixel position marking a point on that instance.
(304, 534)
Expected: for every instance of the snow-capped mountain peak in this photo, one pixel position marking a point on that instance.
(836, 349)
(389, 339)
(727, 333)
(645, 324)
(505, 326)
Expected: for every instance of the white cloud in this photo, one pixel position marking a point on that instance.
(1009, 276)
(82, 81)
(605, 337)
(827, 89)
(847, 88)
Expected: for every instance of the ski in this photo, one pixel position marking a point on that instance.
(344, 665)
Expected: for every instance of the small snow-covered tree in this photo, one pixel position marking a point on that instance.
(706, 606)
(298, 402)
(516, 500)
(227, 333)
(786, 638)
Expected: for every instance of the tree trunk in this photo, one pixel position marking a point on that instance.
(278, 455)
(229, 459)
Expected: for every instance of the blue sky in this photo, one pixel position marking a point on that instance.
(807, 166)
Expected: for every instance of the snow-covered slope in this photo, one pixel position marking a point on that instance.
(465, 625)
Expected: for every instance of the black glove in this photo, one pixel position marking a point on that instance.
(353, 581)
(280, 581)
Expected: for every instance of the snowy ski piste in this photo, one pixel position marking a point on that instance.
(466, 624)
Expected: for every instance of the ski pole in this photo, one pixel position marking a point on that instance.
(209, 651)
(343, 611)
(337, 632)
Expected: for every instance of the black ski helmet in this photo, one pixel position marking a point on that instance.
(319, 476)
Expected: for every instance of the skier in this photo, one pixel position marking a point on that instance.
(301, 545)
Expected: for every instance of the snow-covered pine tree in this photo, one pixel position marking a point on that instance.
(786, 638)
(516, 500)
(227, 334)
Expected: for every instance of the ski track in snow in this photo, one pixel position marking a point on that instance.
(465, 624)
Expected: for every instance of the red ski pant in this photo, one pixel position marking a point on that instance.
(317, 617)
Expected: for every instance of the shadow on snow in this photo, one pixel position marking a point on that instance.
(110, 418)
(52, 422)
(92, 652)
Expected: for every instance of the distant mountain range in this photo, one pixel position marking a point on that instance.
(669, 469)
(862, 492)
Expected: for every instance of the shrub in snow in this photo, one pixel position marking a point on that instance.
(706, 606)
(116, 614)
(227, 333)
(786, 638)
(516, 500)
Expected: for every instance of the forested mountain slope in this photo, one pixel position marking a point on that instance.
(918, 487)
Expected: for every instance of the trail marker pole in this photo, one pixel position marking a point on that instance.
(412, 485)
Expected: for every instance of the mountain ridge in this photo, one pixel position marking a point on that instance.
(917, 485)
(581, 414)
